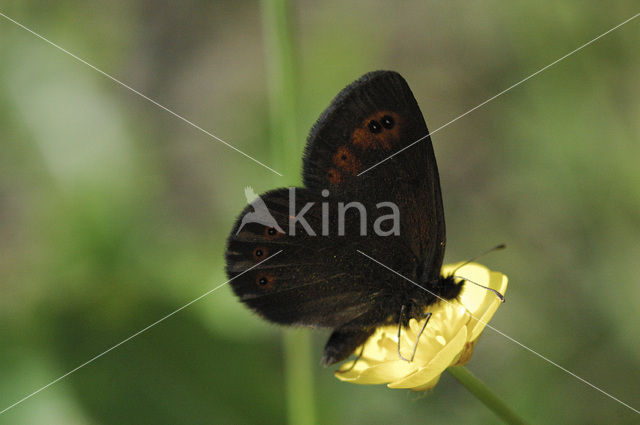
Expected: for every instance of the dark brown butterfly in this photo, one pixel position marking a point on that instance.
(318, 277)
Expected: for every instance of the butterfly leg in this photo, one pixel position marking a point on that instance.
(343, 342)
(358, 357)
(415, 345)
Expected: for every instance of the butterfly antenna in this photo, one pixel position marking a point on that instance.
(498, 294)
(495, 248)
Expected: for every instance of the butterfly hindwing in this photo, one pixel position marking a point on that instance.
(312, 279)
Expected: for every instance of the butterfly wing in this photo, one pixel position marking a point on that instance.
(368, 121)
(322, 280)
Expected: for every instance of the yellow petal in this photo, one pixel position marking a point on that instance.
(465, 354)
(380, 373)
(348, 371)
(428, 385)
(436, 366)
(448, 339)
(480, 303)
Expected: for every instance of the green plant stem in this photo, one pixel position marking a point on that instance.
(485, 395)
(281, 82)
(285, 155)
(299, 376)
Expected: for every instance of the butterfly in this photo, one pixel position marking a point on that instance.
(301, 263)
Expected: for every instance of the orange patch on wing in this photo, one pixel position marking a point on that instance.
(260, 253)
(385, 138)
(346, 160)
(265, 281)
(362, 138)
(272, 233)
(334, 176)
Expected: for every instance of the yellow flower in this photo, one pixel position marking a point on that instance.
(448, 339)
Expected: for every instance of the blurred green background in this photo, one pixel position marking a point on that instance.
(114, 213)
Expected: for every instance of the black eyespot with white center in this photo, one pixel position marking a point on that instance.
(271, 233)
(387, 122)
(375, 127)
(265, 281)
(260, 253)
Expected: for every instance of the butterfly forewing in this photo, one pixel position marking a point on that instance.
(373, 118)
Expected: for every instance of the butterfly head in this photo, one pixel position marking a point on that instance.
(448, 287)
(453, 273)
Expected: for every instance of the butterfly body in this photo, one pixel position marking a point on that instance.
(392, 212)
